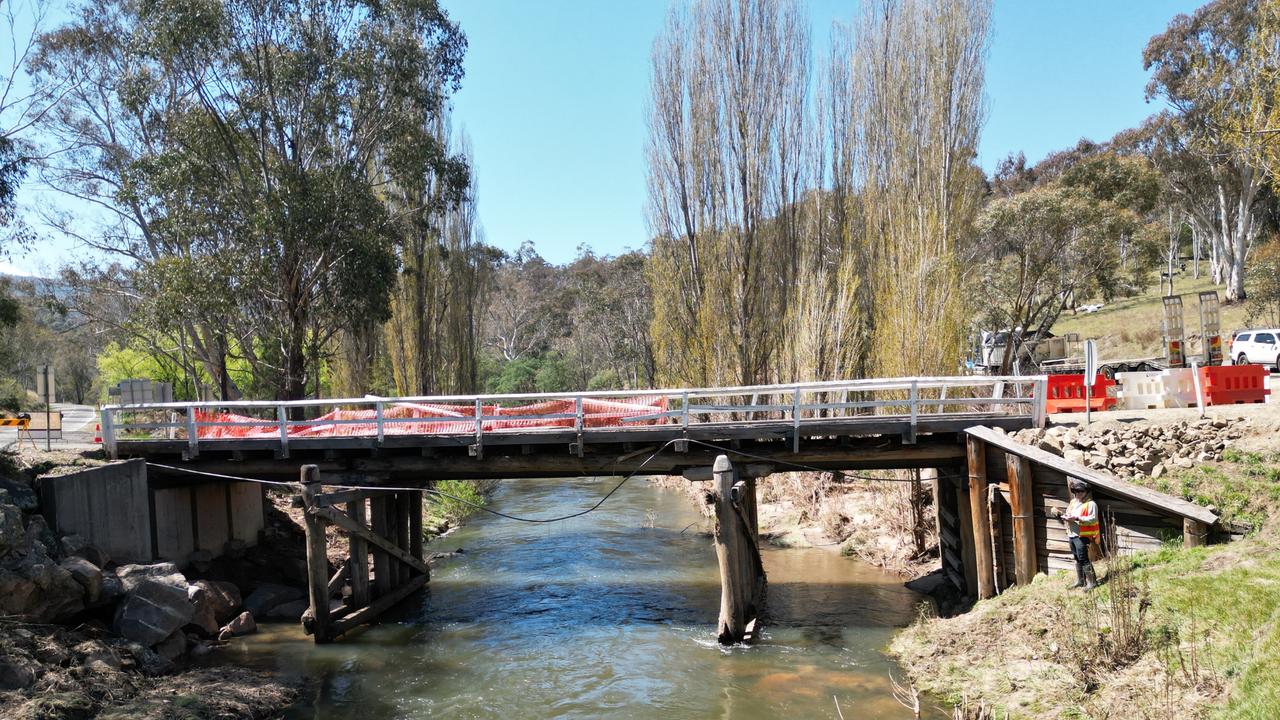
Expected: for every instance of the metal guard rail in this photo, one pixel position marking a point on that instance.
(911, 397)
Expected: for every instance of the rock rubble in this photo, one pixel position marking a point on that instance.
(1139, 449)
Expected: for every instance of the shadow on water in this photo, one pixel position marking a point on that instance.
(603, 616)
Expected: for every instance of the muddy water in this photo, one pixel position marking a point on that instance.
(610, 615)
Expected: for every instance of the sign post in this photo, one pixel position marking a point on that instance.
(1090, 374)
(44, 389)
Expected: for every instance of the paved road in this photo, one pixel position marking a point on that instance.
(77, 428)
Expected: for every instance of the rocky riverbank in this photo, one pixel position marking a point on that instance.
(84, 636)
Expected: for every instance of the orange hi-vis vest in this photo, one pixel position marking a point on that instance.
(1085, 515)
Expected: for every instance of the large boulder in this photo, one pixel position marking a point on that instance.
(242, 624)
(87, 574)
(78, 546)
(16, 671)
(216, 603)
(38, 533)
(166, 573)
(268, 596)
(20, 494)
(13, 536)
(172, 647)
(152, 610)
(39, 590)
(290, 612)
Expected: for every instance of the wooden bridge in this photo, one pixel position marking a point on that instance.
(905, 423)
(392, 449)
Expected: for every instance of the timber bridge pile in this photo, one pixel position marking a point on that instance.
(365, 464)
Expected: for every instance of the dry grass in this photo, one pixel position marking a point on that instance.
(1130, 327)
(81, 674)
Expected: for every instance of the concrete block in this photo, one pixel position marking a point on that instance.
(175, 539)
(247, 516)
(109, 506)
(213, 526)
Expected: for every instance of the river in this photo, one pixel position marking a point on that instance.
(610, 615)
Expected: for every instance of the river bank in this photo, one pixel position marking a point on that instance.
(82, 636)
(1177, 633)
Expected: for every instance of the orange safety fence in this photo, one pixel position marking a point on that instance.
(1234, 384)
(437, 419)
(1065, 393)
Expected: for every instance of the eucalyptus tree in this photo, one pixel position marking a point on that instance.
(256, 143)
(1040, 248)
(1202, 66)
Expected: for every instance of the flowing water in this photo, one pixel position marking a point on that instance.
(610, 615)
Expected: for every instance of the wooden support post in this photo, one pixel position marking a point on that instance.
(728, 541)
(402, 535)
(737, 553)
(967, 557)
(359, 557)
(382, 580)
(981, 519)
(317, 558)
(1000, 571)
(378, 541)
(415, 524)
(1023, 511)
(1194, 533)
(747, 500)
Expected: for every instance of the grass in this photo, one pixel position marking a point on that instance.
(1202, 624)
(1244, 487)
(1130, 327)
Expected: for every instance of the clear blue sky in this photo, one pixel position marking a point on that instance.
(555, 91)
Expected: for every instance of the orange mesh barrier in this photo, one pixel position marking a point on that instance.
(437, 419)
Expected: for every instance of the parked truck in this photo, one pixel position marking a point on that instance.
(1054, 354)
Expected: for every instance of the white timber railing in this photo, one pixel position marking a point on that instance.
(796, 405)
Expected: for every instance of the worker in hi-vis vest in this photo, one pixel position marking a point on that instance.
(1083, 530)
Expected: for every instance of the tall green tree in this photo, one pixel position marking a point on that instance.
(254, 143)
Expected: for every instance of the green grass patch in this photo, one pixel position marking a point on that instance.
(1244, 488)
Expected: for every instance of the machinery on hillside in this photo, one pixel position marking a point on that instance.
(1053, 355)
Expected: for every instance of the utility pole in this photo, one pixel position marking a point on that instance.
(44, 389)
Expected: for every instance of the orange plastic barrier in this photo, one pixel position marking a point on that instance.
(1065, 393)
(1234, 384)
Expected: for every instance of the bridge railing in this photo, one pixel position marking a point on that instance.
(480, 416)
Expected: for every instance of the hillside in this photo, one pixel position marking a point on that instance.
(1130, 327)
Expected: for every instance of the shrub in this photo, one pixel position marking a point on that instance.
(458, 499)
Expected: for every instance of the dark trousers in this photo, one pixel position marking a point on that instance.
(1080, 549)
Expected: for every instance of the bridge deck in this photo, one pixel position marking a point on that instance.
(829, 425)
